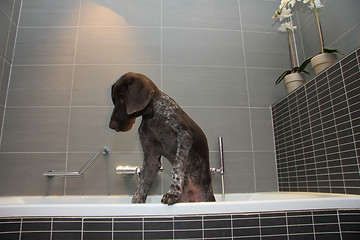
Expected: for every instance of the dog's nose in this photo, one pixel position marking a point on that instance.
(113, 125)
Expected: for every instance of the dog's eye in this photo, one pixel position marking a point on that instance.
(121, 98)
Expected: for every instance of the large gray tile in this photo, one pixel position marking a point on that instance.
(113, 45)
(89, 131)
(121, 13)
(262, 131)
(21, 174)
(40, 86)
(4, 29)
(265, 172)
(45, 46)
(239, 172)
(101, 178)
(4, 80)
(7, 7)
(35, 130)
(49, 13)
(256, 15)
(16, 11)
(206, 86)
(219, 14)
(333, 28)
(202, 47)
(11, 43)
(266, 50)
(262, 89)
(232, 124)
(92, 84)
(2, 110)
(348, 42)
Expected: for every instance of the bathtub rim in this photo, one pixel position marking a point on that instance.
(308, 201)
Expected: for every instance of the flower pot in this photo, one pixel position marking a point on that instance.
(293, 81)
(322, 61)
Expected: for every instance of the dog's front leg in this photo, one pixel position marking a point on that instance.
(174, 195)
(147, 175)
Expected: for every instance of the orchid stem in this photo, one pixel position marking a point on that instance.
(319, 27)
(293, 63)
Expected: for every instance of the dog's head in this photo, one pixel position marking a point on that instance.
(130, 95)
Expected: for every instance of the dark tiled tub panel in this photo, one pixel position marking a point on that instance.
(317, 132)
(322, 224)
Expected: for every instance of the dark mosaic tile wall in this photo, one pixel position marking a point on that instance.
(317, 132)
(325, 224)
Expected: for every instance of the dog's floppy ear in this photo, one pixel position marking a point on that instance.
(138, 96)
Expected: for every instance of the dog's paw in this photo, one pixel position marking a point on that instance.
(171, 197)
(138, 199)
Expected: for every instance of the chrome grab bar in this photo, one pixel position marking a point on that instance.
(105, 151)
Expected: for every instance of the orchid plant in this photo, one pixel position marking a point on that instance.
(285, 13)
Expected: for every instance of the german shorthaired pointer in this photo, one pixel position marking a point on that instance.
(166, 130)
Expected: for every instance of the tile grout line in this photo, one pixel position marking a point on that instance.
(71, 96)
(248, 96)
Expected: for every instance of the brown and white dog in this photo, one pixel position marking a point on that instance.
(166, 130)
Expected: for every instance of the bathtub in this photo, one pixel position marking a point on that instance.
(120, 206)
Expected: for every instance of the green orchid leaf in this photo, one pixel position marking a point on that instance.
(304, 65)
(332, 50)
(282, 76)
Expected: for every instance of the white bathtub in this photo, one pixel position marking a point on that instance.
(97, 206)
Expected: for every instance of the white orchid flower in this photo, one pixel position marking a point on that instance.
(292, 3)
(314, 3)
(285, 26)
(285, 13)
(317, 4)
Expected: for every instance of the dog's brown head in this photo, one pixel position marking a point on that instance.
(130, 95)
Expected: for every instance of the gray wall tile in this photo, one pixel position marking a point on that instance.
(120, 13)
(4, 29)
(265, 172)
(45, 46)
(92, 84)
(49, 13)
(21, 174)
(2, 110)
(114, 45)
(100, 177)
(40, 86)
(266, 50)
(198, 59)
(202, 47)
(11, 40)
(262, 88)
(239, 172)
(5, 67)
(206, 86)
(7, 7)
(232, 124)
(35, 130)
(218, 14)
(261, 21)
(262, 133)
(89, 130)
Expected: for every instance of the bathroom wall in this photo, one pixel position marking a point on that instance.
(9, 15)
(317, 132)
(213, 57)
(340, 24)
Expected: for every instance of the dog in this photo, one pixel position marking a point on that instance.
(165, 130)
